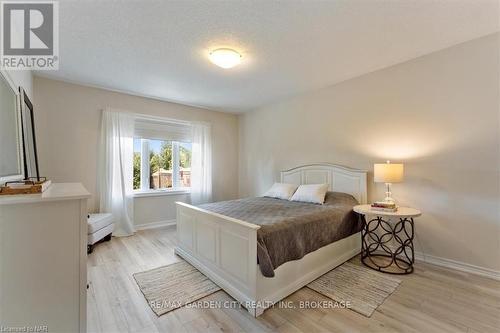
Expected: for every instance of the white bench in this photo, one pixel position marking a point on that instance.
(100, 227)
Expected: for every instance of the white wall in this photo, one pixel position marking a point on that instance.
(157, 209)
(23, 79)
(68, 120)
(438, 114)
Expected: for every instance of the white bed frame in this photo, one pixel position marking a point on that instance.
(225, 249)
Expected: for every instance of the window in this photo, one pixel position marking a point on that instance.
(161, 164)
(162, 155)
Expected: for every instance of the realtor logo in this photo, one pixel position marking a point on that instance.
(30, 35)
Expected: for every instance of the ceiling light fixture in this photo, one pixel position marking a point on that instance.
(225, 58)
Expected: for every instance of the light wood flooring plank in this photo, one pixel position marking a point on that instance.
(432, 299)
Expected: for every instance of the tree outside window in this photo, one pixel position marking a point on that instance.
(163, 174)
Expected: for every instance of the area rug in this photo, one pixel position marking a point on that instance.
(363, 288)
(170, 287)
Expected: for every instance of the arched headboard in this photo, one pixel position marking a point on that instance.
(339, 178)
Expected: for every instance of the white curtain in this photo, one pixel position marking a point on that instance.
(115, 175)
(201, 163)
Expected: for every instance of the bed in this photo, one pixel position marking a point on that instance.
(224, 241)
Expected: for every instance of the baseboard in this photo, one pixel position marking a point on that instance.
(457, 265)
(155, 225)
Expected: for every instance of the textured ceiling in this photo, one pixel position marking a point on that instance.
(159, 48)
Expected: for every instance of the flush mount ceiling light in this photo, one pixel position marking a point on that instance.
(225, 58)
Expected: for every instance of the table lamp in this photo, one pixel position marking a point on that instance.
(388, 173)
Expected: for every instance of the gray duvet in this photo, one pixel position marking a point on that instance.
(290, 230)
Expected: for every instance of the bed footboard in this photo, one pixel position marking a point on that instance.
(223, 248)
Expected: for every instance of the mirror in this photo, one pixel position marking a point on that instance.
(11, 154)
(29, 139)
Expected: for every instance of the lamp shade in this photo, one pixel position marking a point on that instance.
(388, 173)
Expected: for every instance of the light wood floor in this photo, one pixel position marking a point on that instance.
(432, 299)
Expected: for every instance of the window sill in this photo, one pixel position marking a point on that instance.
(156, 193)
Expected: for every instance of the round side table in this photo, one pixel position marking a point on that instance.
(383, 228)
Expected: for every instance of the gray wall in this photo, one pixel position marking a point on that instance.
(437, 114)
(68, 120)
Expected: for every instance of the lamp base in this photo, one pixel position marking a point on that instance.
(388, 193)
(389, 200)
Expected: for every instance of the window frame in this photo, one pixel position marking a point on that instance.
(161, 192)
(145, 190)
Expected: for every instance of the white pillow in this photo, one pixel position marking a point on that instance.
(281, 191)
(314, 193)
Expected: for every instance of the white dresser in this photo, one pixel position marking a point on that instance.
(43, 259)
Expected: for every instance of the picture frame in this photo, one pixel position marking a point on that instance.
(30, 153)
